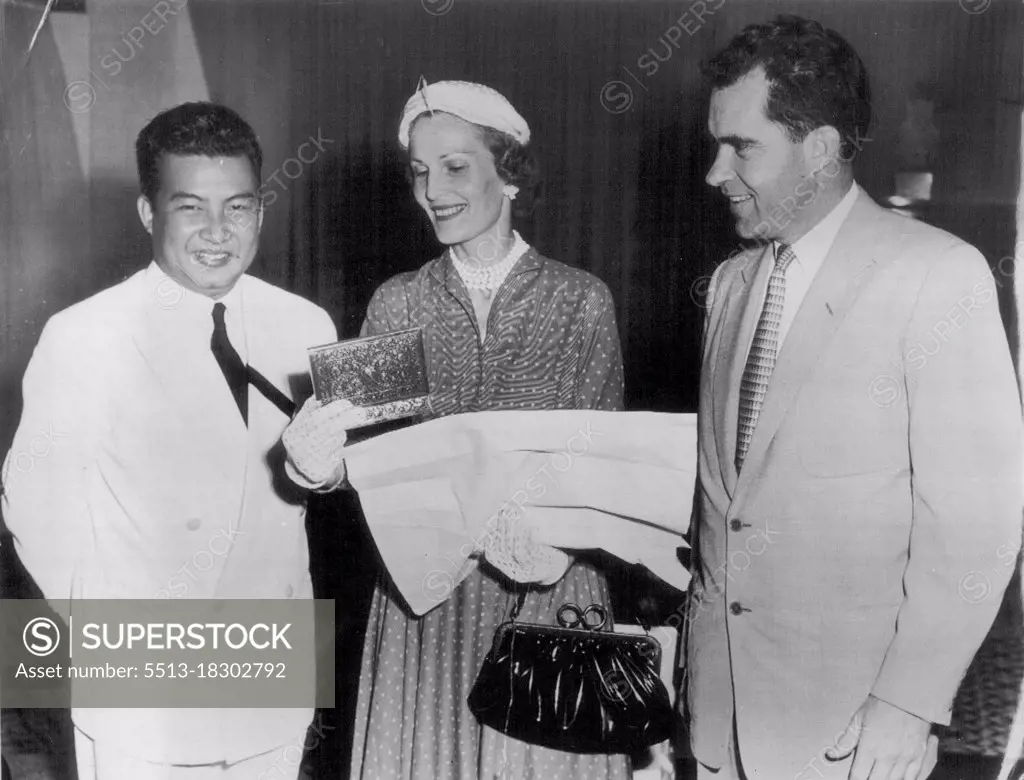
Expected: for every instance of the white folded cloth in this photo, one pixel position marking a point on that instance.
(515, 484)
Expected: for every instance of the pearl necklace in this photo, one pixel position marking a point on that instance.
(488, 278)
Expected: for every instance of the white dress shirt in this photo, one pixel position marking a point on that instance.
(196, 314)
(810, 250)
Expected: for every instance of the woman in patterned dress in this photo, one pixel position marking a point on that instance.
(504, 328)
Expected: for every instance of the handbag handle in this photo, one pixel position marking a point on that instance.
(517, 606)
(571, 616)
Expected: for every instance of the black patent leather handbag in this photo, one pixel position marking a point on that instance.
(573, 687)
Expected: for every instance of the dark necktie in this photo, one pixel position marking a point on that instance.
(763, 353)
(230, 363)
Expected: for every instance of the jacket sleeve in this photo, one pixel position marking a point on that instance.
(600, 381)
(965, 438)
(320, 331)
(390, 309)
(323, 330)
(48, 468)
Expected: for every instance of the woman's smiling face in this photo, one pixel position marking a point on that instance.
(454, 178)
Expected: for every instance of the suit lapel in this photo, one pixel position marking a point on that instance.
(832, 293)
(192, 390)
(739, 319)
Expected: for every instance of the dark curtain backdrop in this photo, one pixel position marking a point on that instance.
(44, 225)
(624, 194)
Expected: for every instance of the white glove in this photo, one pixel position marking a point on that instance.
(510, 547)
(315, 442)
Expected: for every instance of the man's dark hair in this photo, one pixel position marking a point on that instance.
(202, 129)
(815, 77)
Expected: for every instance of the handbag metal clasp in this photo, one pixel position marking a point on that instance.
(593, 617)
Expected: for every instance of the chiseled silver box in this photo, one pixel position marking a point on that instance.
(385, 374)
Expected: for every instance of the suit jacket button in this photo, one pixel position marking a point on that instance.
(736, 608)
(735, 525)
(193, 523)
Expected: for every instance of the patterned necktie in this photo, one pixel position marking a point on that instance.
(763, 352)
(230, 363)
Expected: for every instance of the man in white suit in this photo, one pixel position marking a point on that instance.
(859, 441)
(167, 394)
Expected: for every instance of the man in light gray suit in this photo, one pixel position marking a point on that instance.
(859, 441)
